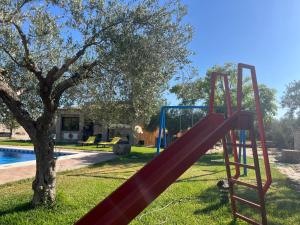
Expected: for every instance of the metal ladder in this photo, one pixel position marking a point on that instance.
(234, 181)
(247, 123)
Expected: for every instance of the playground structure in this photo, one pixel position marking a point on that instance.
(126, 202)
(162, 122)
(162, 131)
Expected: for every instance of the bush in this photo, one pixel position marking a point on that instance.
(281, 134)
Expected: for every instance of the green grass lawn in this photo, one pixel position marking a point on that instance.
(14, 142)
(192, 199)
(58, 145)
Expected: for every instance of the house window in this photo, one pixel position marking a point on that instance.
(70, 124)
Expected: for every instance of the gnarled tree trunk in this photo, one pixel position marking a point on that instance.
(45, 179)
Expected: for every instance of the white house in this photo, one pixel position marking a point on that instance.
(71, 126)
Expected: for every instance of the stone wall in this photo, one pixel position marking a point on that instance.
(290, 156)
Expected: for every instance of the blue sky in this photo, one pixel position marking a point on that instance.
(262, 33)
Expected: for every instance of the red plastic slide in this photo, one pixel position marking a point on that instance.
(141, 189)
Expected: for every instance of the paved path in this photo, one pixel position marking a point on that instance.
(291, 170)
(19, 171)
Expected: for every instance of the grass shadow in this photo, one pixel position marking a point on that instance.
(211, 196)
(210, 208)
(24, 207)
(195, 178)
(211, 159)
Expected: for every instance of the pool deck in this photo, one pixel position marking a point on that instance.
(24, 170)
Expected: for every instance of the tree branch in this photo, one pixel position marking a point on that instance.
(11, 56)
(55, 73)
(23, 39)
(29, 64)
(13, 103)
(80, 75)
(21, 4)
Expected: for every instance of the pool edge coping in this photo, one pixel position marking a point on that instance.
(74, 154)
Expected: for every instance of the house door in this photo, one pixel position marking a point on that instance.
(88, 130)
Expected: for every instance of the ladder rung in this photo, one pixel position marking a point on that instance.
(247, 219)
(241, 164)
(234, 181)
(240, 145)
(245, 201)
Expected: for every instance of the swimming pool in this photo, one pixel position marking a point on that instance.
(8, 155)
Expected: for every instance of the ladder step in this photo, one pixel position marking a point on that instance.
(234, 181)
(240, 145)
(245, 201)
(247, 219)
(243, 165)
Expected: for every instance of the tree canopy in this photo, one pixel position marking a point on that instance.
(281, 132)
(198, 91)
(291, 98)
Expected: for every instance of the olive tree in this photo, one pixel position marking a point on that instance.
(48, 48)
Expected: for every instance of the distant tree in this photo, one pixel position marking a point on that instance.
(7, 119)
(291, 98)
(267, 102)
(281, 132)
(199, 91)
(176, 120)
(48, 48)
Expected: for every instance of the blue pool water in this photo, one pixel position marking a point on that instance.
(8, 156)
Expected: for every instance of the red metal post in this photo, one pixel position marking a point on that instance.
(239, 88)
(213, 81)
(212, 92)
(228, 97)
(259, 117)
